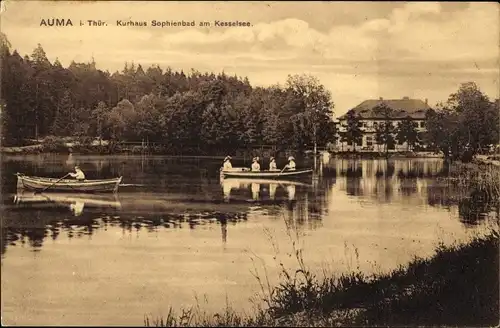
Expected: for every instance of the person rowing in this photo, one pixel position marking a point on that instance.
(272, 165)
(291, 164)
(255, 165)
(227, 166)
(78, 175)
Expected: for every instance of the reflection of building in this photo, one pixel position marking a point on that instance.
(414, 109)
(403, 180)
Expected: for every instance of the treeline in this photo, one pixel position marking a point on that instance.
(194, 111)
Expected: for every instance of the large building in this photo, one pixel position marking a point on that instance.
(370, 117)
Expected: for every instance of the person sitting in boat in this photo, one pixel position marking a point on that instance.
(272, 165)
(291, 164)
(255, 165)
(227, 164)
(78, 175)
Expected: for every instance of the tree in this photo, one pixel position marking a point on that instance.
(384, 131)
(479, 123)
(406, 131)
(64, 122)
(313, 108)
(98, 119)
(217, 128)
(442, 131)
(465, 124)
(353, 133)
(39, 58)
(121, 120)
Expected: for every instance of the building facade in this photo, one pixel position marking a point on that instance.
(369, 116)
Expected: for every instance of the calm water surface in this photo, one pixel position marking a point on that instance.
(185, 238)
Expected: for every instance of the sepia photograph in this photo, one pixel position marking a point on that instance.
(250, 163)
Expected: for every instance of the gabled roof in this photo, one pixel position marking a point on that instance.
(415, 108)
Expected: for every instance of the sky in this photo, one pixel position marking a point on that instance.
(358, 50)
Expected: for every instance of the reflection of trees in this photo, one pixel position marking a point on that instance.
(473, 204)
(353, 186)
(474, 209)
(408, 186)
(298, 214)
(20, 227)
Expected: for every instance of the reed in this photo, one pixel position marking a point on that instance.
(473, 178)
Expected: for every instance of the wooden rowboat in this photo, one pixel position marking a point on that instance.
(67, 185)
(267, 174)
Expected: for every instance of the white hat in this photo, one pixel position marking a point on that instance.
(291, 158)
(272, 159)
(227, 158)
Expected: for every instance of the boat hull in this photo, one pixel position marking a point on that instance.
(267, 174)
(67, 185)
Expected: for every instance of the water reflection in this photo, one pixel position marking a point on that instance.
(35, 221)
(419, 182)
(261, 190)
(172, 190)
(74, 201)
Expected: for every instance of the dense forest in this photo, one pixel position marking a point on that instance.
(200, 113)
(189, 111)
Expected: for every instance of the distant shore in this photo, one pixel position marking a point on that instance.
(107, 149)
(137, 150)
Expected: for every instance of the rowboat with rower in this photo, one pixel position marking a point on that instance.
(41, 184)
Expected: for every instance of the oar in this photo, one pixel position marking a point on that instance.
(282, 170)
(39, 192)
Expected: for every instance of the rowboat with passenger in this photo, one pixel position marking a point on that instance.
(266, 174)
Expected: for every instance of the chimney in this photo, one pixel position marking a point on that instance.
(426, 101)
(406, 98)
(381, 98)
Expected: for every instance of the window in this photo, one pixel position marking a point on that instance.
(369, 141)
(422, 124)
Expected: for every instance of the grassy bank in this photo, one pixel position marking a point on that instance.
(457, 286)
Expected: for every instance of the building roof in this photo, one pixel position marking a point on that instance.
(415, 108)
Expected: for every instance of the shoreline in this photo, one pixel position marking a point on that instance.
(92, 150)
(423, 293)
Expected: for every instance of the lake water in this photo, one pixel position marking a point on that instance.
(184, 238)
